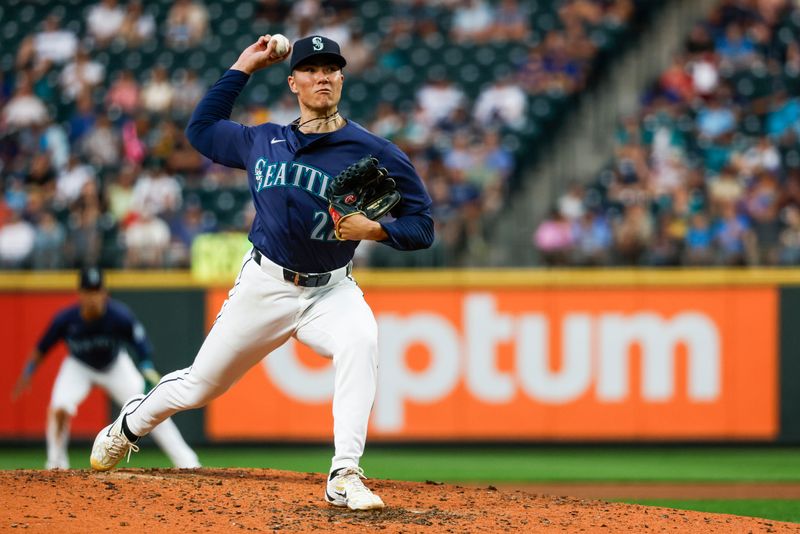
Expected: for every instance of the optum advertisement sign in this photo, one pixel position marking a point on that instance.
(536, 364)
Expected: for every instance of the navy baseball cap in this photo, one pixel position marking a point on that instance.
(91, 279)
(315, 46)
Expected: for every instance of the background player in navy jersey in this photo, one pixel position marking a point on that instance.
(99, 332)
(296, 281)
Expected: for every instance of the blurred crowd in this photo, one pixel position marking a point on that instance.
(105, 184)
(95, 168)
(456, 142)
(708, 171)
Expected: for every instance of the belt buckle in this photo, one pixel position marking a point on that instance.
(306, 280)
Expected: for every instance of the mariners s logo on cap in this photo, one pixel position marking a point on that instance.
(91, 278)
(316, 47)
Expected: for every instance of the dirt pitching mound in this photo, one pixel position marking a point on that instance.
(231, 500)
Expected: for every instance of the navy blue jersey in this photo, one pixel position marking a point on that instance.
(98, 342)
(288, 174)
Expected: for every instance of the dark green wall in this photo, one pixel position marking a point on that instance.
(174, 320)
(789, 336)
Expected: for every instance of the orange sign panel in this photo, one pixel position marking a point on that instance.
(536, 364)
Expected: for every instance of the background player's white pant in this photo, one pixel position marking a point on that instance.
(262, 312)
(121, 381)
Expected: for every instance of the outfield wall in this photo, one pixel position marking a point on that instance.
(610, 355)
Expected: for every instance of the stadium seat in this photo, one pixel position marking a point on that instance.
(211, 44)
(197, 60)
(229, 28)
(27, 16)
(453, 56)
(390, 91)
(791, 80)
(545, 21)
(244, 12)
(791, 157)
(11, 32)
(484, 56)
(794, 20)
(7, 61)
(751, 124)
(541, 108)
(753, 83)
(421, 58)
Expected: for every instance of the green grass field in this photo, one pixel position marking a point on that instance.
(777, 509)
(515, 465)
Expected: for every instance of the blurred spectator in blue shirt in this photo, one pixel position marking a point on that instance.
(733, 237)
(83, 118)
(699, 241)
(16, 196)
(462, 191)
(593, 239)
(784, 114)
(715, 119)
(532, 74)
(735, 46)
(762, 207)
(565, 73)
(191, 224)
(498, 158)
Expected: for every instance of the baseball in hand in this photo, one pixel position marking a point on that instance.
(281, 44)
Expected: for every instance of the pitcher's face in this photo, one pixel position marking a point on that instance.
(318, 85)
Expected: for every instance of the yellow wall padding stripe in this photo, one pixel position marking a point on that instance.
(444, 279)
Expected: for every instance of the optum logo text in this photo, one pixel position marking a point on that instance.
(595, 359)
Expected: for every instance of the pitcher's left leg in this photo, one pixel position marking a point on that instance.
(340, 324)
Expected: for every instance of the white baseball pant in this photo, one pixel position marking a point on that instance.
(121, 381)
(261, 313)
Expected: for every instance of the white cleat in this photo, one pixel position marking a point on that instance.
(111, 445)
(346, 489)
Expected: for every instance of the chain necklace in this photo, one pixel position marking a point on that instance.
(326, 119)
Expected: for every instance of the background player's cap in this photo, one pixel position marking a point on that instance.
(314, 46)
(91, 278)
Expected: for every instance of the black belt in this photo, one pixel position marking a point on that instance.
(301, 279)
